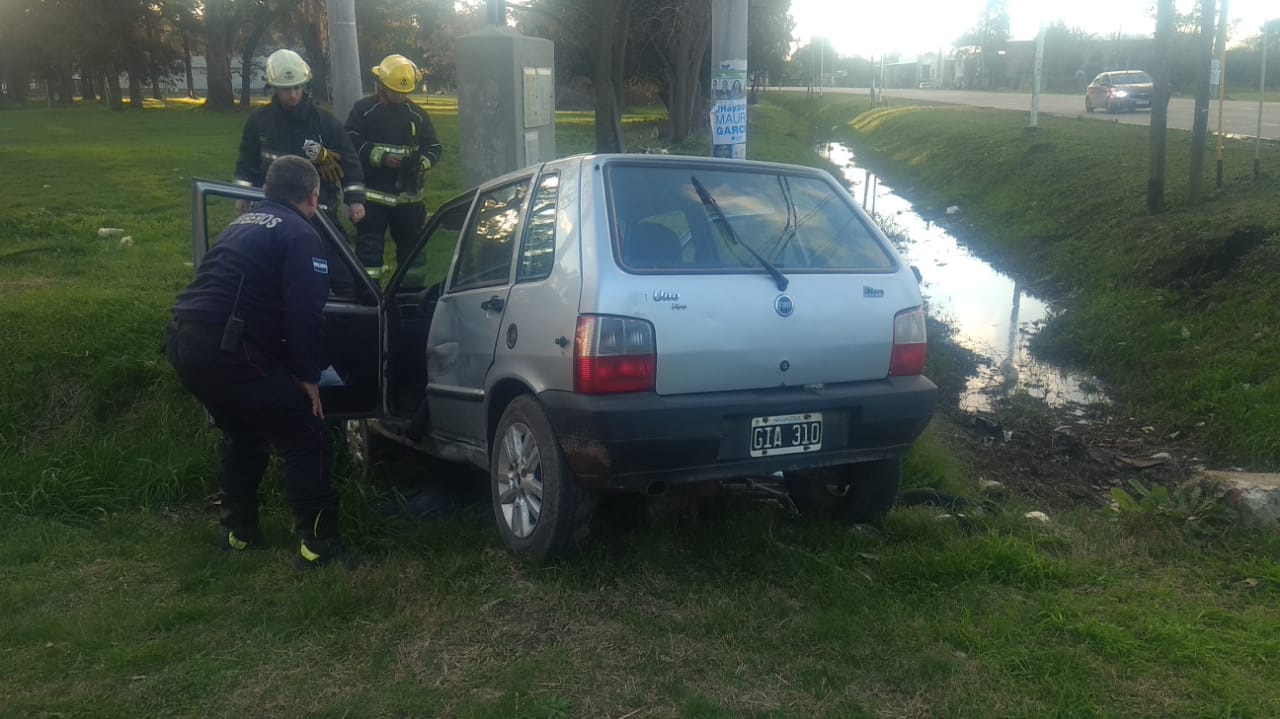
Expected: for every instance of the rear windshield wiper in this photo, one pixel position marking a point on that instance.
(710, 203)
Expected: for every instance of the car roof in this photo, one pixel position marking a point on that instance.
(604, 159)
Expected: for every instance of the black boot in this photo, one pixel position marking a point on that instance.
(239, 520)
(320, 542)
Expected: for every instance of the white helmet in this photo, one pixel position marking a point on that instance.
(286, 68)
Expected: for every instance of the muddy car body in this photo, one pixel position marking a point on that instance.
(632, 323)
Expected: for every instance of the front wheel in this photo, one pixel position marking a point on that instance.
(1088, 104)
(541, 511)
(859, 493)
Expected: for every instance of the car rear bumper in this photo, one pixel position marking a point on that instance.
(640, 442)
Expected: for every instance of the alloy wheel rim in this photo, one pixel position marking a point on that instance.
(519, 487)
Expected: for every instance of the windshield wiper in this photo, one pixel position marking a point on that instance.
(788, 230)
(710, 203)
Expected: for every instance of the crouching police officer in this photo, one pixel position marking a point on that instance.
(247, 340)
(397, 144)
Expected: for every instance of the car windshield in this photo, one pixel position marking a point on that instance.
(791, 222)
(1131, 78)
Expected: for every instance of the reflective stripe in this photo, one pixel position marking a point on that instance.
(269, 155)
(236, 542)
(354, 187)
(306, 552)
(386, 198)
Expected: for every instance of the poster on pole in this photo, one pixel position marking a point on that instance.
(729, 110)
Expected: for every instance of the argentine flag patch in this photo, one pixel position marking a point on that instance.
(321, 265)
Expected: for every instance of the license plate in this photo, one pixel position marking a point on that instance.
(1143, 103)
(786, 434)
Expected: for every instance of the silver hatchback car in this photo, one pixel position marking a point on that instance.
(632, 323)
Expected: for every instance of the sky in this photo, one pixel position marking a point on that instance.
(918, 26)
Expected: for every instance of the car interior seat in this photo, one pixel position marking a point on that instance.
(652, 246)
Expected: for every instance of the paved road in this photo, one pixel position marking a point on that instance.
(1238, 117)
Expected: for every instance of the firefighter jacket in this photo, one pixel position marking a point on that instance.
(273, 131)
(269, 267)
(380, 129)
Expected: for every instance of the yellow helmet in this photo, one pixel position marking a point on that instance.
(286, 68)
(397, 73)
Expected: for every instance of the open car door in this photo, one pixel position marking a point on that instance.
(351, 387)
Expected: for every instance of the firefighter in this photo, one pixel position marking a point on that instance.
(292, 124)
(247, 339)
(397, 144)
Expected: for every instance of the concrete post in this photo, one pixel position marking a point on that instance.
(1035, 91)
(729, 78)
(344, 57)
(506, 102)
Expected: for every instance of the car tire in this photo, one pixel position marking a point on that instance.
(1088, 105)
(860, 493)
(367, 448)
(541, 511)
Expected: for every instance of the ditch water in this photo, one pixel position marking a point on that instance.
(991, 315)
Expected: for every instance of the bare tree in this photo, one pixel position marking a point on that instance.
(1200, 125)
(1160, 105)
(677, 35)
(216, 20)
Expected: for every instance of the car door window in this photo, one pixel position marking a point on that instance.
(429, 264)
(539, 249)
(487, 251)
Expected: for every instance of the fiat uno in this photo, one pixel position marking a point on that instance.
(631, 324)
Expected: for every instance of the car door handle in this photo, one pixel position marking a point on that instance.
(493, 304)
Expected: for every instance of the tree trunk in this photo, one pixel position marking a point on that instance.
(153, 68)
(186, 65)
(1160, 106)
(246, 63)
(221, 96)
(608, 109)
(1200, 126)
(313, 39)
(64, 86)
(137, 77)
(684, 96)
(115, 97)
(621, 31)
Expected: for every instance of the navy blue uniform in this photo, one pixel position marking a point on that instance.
(274, 260)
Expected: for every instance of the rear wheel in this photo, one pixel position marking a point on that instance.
(860, 493)
(540, 509)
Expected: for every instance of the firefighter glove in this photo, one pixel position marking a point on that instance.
(327, 165)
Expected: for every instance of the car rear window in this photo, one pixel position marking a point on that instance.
(795, 222)
(1131, 78)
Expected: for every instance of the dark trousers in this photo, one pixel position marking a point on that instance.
(405, 223)
(258, 405)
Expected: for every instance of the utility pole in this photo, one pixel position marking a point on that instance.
(1262, 89)
(1035, 90)
(822, 71)
(729, 78)
(1222, 80)
(344, 57)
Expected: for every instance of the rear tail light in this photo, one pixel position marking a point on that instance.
(612, 355)
(909, 343)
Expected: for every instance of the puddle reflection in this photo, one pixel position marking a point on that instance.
(992, 316)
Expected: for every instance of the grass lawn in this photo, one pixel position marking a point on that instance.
(116, 603)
